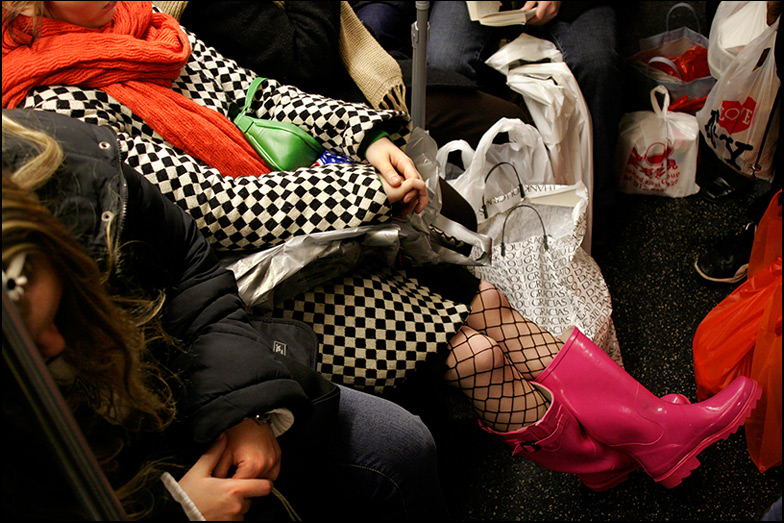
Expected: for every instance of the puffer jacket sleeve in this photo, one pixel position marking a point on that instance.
(226, 373)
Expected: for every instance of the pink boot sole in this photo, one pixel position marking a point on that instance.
(690, 462)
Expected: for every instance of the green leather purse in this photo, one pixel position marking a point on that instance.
(283, 146)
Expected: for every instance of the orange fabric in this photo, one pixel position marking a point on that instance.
(767, 238)
(763, 428)
(135, 59)
(741, 336)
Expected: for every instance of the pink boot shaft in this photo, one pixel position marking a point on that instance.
(558, 442)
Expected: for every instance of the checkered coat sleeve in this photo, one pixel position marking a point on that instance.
(247, 212)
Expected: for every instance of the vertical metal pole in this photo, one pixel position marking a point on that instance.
(54, 418)
(420, 31)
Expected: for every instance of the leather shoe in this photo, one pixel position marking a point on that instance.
(722, 187)
(728, 261)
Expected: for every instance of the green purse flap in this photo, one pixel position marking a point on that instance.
(282, 145)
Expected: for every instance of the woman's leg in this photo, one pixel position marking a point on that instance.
(387, 466)
(527, 346)
(569, 407)
(525, 415)
(478, 366)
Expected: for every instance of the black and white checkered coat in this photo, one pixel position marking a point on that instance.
(373, 328)
(254, 211)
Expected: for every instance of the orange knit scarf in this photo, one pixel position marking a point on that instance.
(135, 59)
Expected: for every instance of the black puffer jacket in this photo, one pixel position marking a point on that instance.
(226, 372)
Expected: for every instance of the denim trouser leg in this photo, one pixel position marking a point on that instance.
(456, 43)
(388, 25)
(387, 455)
(589, 47)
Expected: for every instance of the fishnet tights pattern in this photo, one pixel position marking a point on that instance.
(494, 356)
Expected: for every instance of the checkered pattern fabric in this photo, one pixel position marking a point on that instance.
(247, 212)
(375, 329)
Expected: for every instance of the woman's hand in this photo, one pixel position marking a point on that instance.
(402, 182)
(220, 498)
(545, 11)
(253, 449)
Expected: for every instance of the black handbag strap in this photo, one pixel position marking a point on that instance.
(503, 229)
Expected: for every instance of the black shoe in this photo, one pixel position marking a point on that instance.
(724, 186)
(728, 261)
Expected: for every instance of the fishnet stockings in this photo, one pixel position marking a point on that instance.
(492, 358)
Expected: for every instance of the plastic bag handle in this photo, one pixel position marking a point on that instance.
(520, 183)
(663, 60)
(503, 229)
(660, 110)
(682, 4)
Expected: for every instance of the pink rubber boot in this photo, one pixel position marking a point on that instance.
(615, 409)
(558, 442)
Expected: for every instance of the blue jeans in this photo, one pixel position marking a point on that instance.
(589, 47)
(387, 465)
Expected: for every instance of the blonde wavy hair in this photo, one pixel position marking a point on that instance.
(11, 10)
(107, 337)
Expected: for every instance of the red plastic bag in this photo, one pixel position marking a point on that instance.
(763, 428)
(684, 105)
(767, 238)
(725, 339)
(689, 66)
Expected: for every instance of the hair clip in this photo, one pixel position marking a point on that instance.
(13, 279)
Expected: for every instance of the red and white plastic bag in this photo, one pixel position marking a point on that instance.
(740, 118)
(657, 150)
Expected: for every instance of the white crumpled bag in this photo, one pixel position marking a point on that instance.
(740, 119)
(484, 183)
(734, 25)
(535, 68)
(657, 150)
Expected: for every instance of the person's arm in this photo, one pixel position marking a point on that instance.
(226, 375)
(254, 212)
(204, 495)
(339, 126)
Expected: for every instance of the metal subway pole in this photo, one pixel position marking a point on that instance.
(420, 31)
(70, 449)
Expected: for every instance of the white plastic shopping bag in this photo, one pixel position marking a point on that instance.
(734, 25)
(535, 68)
(657, 150)
(482, 183)
(555, 102)
(740, 119)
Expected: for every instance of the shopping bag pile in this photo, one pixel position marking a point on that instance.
(537, 228)
(535, 68)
